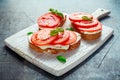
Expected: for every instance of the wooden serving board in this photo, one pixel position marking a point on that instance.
(48, 62)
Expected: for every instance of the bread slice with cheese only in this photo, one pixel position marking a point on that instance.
(47, 41)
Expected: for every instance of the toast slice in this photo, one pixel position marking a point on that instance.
(89, 36)
(52, 48)
(53, 51)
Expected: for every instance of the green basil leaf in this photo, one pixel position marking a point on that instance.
(53, 32)
(29, 33)
(56, 31)
(56, 12)
(86, 18)
(71, 29)
(52, 10)
(61, 58)
(59, 29)
(60, 14)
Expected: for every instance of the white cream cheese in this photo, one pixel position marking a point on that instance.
(92, 32)
(58, 46)
(78, 38)
(65, 47)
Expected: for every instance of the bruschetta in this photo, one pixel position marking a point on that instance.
(88, 26)
(51, 19)
(54, 40)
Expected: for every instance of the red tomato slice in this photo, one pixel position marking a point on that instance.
(92, 29)
(76, 17)
(86, 24)
(72, 38)
(42, 37)
(49, 20)
(62, 38)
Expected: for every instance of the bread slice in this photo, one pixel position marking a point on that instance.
(89, 36)
(63, 21)
(53, 50)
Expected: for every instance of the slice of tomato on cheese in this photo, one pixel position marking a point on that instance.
(49, 20)
(76, 17)
(61, 38)
(72, 38)
(42, 37)
(86, 24)
(92, 29)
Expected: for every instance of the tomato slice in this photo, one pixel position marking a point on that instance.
(76, 17)
(86, 24)
(72, 38)
(42, 37)
(92, 29)
(49, 20)
(62, 38)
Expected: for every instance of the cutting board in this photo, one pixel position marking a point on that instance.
(48, 62)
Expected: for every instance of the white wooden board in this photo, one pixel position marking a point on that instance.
(48, 62)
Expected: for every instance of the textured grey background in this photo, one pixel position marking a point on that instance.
(16, 15)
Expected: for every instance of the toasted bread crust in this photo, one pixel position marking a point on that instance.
(63, 21)
(89, 37)
(53, 51)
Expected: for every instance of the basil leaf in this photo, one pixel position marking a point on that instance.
(71, 29)
(56, 31)
(29, 33)
(56, 12)
(61, 58)
(52, 10)
(53, 32)
(86, 18)
(60, 29)
(60, 14)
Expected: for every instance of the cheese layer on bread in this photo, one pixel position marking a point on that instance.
(58, 46)
(95, 32)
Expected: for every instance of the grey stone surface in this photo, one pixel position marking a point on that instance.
(16, 15)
